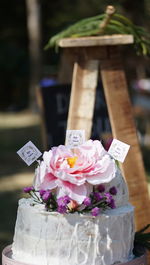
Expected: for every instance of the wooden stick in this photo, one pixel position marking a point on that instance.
(110, 10)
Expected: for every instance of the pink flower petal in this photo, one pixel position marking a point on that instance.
(40, 172)
(104, 176)
(47, 157)
(77, 179)
(99, 148)
(49, 182)
(76, 193)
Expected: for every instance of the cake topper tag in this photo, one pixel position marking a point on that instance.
(75, 138)
(29, 153)
(118, 150)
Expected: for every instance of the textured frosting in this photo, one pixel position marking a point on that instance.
(72, 239)
(119, 182)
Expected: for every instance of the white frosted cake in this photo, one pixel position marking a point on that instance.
(79, 211)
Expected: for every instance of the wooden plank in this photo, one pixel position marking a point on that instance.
(116, 39)
(66, 67)
(87, 53)
(82, 99)
(123, 128)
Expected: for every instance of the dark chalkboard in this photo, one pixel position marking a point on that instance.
(56, 104)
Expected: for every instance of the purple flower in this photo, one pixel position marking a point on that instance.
(42, 192)
(46, 196)
(108, 197)
(95, 211)
(98, 197)
(101, 188)
(112, 204)
(113, 190)
(87, 201)
(28, 189)
(63, 201)
(62, 209)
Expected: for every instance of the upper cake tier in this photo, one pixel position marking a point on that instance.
(122, 196)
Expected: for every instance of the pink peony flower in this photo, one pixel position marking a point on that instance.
(74, 174)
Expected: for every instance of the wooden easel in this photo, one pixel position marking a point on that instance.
(90, 55)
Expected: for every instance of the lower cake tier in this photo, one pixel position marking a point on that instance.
(45, 238)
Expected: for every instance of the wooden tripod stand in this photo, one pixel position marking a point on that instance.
(90, 53)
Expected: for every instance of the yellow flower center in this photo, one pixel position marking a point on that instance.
(71, 161)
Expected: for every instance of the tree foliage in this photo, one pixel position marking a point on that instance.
(56, 15)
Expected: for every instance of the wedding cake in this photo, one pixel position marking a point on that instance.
(78, 211)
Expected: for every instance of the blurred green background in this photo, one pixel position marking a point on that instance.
(20, 119)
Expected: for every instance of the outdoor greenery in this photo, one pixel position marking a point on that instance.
(105, 24)
(55, 16)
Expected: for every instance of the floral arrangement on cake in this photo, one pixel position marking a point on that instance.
(69, 181)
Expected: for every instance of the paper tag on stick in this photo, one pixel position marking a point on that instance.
(75, 138)
(118, 150)
(29, 153)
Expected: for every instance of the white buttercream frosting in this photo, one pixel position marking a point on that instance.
(72, 239)
(122, 196)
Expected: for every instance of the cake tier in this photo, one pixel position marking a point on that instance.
(72, 239)
(122, 196)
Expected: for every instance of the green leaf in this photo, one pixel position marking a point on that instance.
(118, 25)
